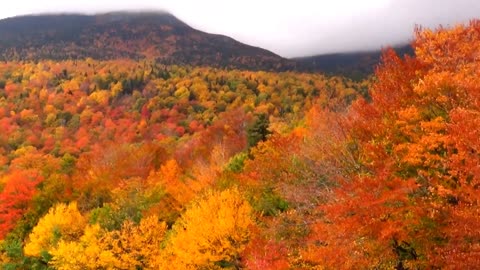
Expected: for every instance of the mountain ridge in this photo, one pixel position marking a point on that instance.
(135, 35)
(161, 36)
(353, 64)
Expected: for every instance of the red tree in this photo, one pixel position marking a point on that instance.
(15, 199)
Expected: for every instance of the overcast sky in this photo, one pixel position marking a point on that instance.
(288, 28)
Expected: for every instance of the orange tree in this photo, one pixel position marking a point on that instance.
(414, 201)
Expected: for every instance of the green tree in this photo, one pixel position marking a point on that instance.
(259, 130)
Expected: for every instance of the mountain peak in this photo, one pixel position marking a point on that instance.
(155, 35)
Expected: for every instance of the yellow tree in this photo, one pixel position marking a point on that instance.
(131, 247)
(211, 233)
(62, 222)
(136, 246)
(87, 253)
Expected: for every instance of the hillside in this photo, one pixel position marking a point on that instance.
(354, 64)
(125, 142)
(160, 36)
(127, 35)
(128, 163)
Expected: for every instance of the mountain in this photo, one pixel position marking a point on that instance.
(158, 35)
(354, 64)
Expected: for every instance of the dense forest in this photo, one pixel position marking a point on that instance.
(133, 164)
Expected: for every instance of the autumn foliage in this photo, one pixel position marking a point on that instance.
(413, 202)
(124, 164)
(15, 199)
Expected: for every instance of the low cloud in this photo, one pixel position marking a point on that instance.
(289, 28)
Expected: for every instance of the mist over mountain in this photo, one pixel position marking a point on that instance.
(288, 28)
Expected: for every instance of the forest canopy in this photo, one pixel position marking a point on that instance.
(126, 164)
